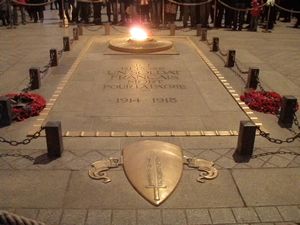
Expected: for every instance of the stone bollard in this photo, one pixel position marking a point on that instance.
(35, 78)
(215, 44)
(245, 144)
(172, 29)
(107, 28)
(230, 58)
(252, 79)
(80, 29)
(199, 29)
(5, 111)
(54, 139)
(66, 44)
(204, 34)
(286, 117)
(53, 57)
(75, 33)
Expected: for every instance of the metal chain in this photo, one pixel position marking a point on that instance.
(28, 157)
(208, 43)
(259, 85)
(287, 10)
(32, 4)
(26, 141)
(222, 53)
(296, 121)
(275, 153)
(190, 4)
(239, 68)
(28, 87)
(96, 29)
(118, 30)
(277, 140)
(238, 74)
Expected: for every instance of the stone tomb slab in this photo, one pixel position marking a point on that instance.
(144, 93)
(119, 194)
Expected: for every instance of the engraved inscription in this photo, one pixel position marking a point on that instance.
(155, 176)
(144, 77)
(153, 100)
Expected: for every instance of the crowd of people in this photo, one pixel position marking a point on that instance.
(156, 12)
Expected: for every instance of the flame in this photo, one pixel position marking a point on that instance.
(138, 34)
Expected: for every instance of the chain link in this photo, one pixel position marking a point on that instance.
(208, 43)
(222, 53)
(239, 68)
(277, 140)
(26, 141)
(28, 157)
(259, 85)
(274, 153)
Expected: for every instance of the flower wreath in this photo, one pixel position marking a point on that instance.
(25, 105)
(263, 101)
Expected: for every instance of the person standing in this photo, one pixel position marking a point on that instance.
(255, 13)
(189, 13)
(144, 7)
(297, 8)
(97, 6)
(239, 15)
(38, 10)
(20, 6)
(202, 12)
(156, 7)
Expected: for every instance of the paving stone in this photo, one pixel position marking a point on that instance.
(51, 186)
(78, 164)
(198, 216)
(91, 157)
(226, 162)
(286, 223)
(290, 213)
(50, 216)
(99, 217)
(174, 217)
(282, 185)
(29, 213)
(293, 164)
(269, 165)
(73, 217)
(209, 155)
(221, 216)
(279, 161)
(255, 163)
(268, 214)
(149, 217)
(124, 217)
(245, 215)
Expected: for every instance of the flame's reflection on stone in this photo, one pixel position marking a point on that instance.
(138, 34)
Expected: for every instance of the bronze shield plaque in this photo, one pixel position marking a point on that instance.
(154, 168)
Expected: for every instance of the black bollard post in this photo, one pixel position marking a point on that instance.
(54, 139)
(80, 30)
(199, 29)
(35, 78)
(286, 117)
(252, 79)
(245, 144)
(107, 28)
(215, 44)
(75, 33)
(66, 44)
(204, 34)
(5, 111)
(230, 58)
(53, 57)
(172, 29)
